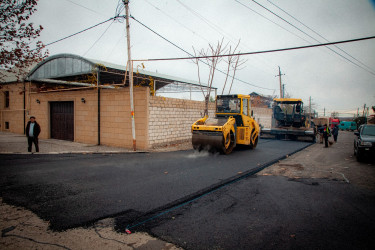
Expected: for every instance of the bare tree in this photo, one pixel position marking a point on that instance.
(212, 59)
(229, 60)
(236, 67)
(16, 36)
(334, 114)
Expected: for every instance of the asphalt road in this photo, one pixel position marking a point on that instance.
(73, 190)
(272, 212)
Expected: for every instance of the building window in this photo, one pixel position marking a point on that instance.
(6, 99)
(6, 125)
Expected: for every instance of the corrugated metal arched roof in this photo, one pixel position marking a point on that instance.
(61, 65)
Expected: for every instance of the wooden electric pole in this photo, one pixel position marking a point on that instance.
(281, 90)
(130, 62)
(309, 112)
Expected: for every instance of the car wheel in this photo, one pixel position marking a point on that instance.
(359, 156)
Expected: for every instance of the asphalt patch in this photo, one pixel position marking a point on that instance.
(76, 190)
(273, 212)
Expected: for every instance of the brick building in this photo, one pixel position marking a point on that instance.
(82, 100)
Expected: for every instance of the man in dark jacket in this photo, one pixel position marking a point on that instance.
(32, 133)
(335, 132)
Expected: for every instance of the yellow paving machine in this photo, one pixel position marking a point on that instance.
(289, 121)
(233, 124)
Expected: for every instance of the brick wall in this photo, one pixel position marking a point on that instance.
(12, 115)
(115, 120)
(159, 120)
(170, 119)
(263, 116)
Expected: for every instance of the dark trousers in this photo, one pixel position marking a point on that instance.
(30, 141)
(335, 138)
(326, 141)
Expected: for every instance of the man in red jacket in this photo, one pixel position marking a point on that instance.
(32, 133)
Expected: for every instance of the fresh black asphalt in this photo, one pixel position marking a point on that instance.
(273, 212)
(74, 189)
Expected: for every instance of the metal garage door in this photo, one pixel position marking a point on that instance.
(62, 120)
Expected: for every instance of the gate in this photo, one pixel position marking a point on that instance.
(62, 120)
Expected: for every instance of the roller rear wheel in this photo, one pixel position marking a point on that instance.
(228, 144)
(254, 145)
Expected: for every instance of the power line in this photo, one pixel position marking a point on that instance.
(273, 13)
(82, 6)
(79, 32)
(256, 12)
(97, 40)
(208, 22)
(120, 7)
(318, 34)
(188, 53)
(261, 52)
(183, 25)
(160, 36)
(222, 32)
(122, 35)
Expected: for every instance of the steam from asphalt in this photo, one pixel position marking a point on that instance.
(198, 154)
(203, 153)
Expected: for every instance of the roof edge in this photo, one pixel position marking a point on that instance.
(63, 55)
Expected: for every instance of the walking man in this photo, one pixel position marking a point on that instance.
(326, 134)
(321, 132)
(335, 132)
(32, 133)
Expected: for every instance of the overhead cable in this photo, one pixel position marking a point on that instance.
(325, 39)
(273, 13)
(160, 35)
(82, 6)
(79, 32)
(222, 32)
(180, 23)
(256, 12)
(262, 51)
(188, 54)
(97, 40)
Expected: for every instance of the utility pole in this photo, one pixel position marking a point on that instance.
(279, 75)
(284, 90)
(324, 111)
(364, 107)
(130, 62)
(309, 111)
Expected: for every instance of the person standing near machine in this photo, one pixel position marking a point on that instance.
(326, 134)
(335, 132)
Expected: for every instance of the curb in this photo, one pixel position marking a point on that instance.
(73, 152)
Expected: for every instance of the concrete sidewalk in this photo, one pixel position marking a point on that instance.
(11, 143)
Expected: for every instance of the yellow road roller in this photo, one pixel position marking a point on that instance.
(233, 124)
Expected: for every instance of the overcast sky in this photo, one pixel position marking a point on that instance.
(334, 83)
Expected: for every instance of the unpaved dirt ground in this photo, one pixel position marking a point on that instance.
(22, 229)
(336, 162)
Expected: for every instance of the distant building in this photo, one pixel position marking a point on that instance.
(261, 101)
(261, 106)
